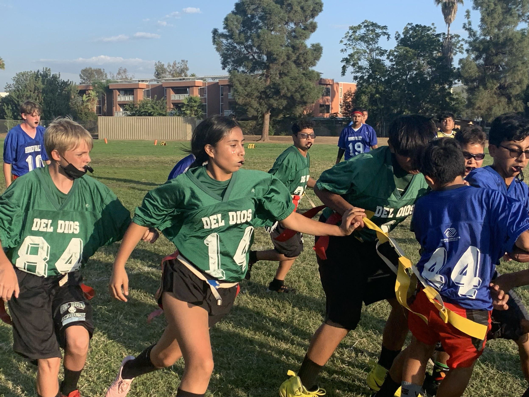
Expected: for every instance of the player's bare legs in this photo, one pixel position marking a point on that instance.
(415, 365)
(271, 255)
(455, 383)
(77, 342)
(48, 376)
(396, 328)
(190, 324)
(284, 268)
(166, 351)
(523, 349)
(324, 342)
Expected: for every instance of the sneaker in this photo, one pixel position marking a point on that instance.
(74, 393)
(292, 387)
(284, 289)
(120, 387)
(376, 377)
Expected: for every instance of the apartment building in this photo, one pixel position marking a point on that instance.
(215, 92)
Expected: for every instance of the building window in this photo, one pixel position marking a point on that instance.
(325, 109)
(327, 91)
(341, 92)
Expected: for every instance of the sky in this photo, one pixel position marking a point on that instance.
(68, 35)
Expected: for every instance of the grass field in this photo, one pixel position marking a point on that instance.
(266, 333)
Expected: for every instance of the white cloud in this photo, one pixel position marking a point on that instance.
(163, 23)
(146, 20)
(144, 35)
(191, 10)
(111, 39)
(174, 14)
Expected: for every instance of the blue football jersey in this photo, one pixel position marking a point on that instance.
(181, 167)
(463, 232)
(357, 142)
(23, 152)
(487, 178)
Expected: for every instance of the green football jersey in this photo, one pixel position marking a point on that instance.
(45, 236)
(292, 168)
(367, 181)
(213, 232)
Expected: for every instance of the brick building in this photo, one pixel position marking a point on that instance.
(214, 91)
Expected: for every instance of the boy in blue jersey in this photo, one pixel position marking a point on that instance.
(463, 232)
(24, 144)
(356, 138)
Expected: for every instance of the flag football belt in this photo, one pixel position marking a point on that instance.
(288, 233)
(88, 293)
(407, 280)
(213, 284)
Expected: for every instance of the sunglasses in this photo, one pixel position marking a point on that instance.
(477, 157)
(305, 136)
(515, 153)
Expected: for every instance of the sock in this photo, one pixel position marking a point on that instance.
(69, 384)
(389, 387)
(276, 284)
(181, 393)
(253, 257)
(439, 370)
(140, 365)
(308, 373)
(387, 357)
(410, 389)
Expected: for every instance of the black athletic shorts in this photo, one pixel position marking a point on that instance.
(186, 287)
(506, 324)
(44, 310)
(354, 273)
(291, 248)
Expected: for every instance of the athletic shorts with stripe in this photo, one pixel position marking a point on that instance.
(462, 348)
(187, 287)
(44, 309)
(291, 248)
(354, 273)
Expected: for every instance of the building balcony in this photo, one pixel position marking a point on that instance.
(178, 97)
(121, 113)
(125, 98)
(230, 95)
(228, 113)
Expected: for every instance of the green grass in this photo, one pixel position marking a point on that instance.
(264, 335)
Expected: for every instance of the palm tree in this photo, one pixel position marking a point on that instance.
(449, 9)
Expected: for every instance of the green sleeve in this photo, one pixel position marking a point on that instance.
(339, 179)
(159, 206)
(283, 170)
(275, 204)
(115, 219)
(11, 216)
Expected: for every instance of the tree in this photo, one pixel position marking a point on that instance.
(263, 46)
(495, 70)
(147, 107)
(2, 64)
(49, 90)
(172, 70)
(347, 103)
(410, 78)
(191, 107)
(122, 74)
(449, 10)
(90, 75)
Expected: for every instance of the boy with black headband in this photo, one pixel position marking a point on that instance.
(51, 221)
(356, 138)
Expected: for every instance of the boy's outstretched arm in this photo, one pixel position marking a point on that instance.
(332, 200)
(8, 278)
(351, 220)
(119, 281)
(520, 253)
